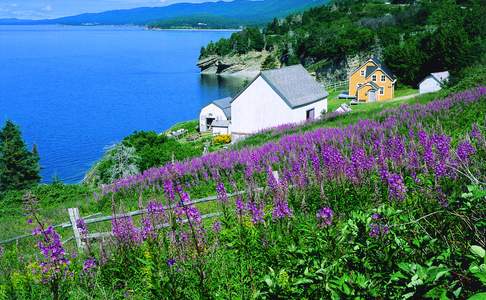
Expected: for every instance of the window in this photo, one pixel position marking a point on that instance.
(310, 114)
(383, 78)
(362, 73)
(382, 91)
(373, 77)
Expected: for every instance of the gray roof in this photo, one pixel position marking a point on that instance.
(379, 63)
(440, 76)
(225, 105)
(220, 123)
(370, 70)
(382, 66)
(371, 83)
(293, 84)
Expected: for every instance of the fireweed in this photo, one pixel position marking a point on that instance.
(325, 217)
(394, 149)
(296, 154)
(54, 262)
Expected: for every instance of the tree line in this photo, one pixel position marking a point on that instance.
(414, 37)
(19, 167)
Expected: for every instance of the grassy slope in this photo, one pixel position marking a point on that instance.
(53, 209)
(361, 111)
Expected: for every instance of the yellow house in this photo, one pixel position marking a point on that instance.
(372, 82)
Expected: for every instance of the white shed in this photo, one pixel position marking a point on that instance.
(433, 82)
(276, 97)
(217, 114)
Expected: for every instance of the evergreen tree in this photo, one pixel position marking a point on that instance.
(19, 168)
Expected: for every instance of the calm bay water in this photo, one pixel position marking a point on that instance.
(76, 90)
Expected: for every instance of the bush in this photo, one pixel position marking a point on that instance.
(222, 139)
(138, 152)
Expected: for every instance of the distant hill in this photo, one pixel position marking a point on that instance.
(210, 14)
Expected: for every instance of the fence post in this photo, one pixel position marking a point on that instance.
(74, 217)
(276, 176)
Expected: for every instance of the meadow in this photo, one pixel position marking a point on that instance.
(389, 207)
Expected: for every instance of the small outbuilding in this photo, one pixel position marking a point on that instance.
(216, 116)
(434, 82)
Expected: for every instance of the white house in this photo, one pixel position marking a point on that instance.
(216, 116)
(276, 97)
(433, 82)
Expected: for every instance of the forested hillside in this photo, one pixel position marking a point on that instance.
(213, 14)
(414, 38)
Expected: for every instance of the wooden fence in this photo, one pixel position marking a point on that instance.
(74, 216)
(337, 85)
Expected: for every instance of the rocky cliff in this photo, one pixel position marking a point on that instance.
(247, 65)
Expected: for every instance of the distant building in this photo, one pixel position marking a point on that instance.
(216, 116)
(372, 81)
(273, 98)
(433, 82)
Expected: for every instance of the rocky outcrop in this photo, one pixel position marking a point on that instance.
(242, 65)
(248, 65)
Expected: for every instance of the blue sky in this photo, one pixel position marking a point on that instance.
(42, 9)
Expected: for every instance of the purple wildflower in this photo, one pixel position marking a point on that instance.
(325, 216)
(89, 265)
(465, 150)
(222, 194)
(281, 210)
(169, 189)
(125, 231)
(240, 207)
(476, 133)
(256, 212)
(171, 262)
(375, 216)
(377, 230)
(83, 229)
(396, 187)
(55, 262)
(217, 227)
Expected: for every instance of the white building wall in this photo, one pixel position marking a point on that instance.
(260, 107)
(220, 130)
(210, 111)
(429, 85)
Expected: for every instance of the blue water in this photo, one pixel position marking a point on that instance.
(76, 90)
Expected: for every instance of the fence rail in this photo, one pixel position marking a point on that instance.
(337, 85)
(96, 218)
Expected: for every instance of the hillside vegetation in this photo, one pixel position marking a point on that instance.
(389, 207)
(386, 202)
(213, 14)
(414, 39)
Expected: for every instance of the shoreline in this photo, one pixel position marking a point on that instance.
(193, 29)
(240, 74)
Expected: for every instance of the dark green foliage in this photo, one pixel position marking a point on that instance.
(417, 39)
(19, 168)
(138, 152)
(157, 149)
(270, 62)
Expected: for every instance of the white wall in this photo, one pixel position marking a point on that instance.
(260, 107)
(210, 111)
(429, 85)
(220, 130)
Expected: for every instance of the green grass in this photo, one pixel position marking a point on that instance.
(13, 220)
(359, 112)
(405, 91)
